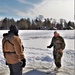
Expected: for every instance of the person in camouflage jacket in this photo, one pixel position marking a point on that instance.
(58, 45)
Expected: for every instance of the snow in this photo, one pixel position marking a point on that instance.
(39, 57)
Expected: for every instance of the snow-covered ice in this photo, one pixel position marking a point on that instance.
(39, 58)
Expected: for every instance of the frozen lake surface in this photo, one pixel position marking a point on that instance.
(37, 54)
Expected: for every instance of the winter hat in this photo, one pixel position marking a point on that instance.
(55, 32)
(14, 29)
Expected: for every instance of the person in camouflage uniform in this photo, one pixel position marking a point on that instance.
(58, 45)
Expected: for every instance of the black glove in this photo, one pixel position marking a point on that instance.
(22, 47)
(6, 63)
(24, 62)
(48, 46)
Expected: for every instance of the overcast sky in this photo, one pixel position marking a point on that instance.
(33, 8)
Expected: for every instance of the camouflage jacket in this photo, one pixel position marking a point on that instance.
(57, 43)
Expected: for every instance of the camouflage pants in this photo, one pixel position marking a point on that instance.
(57, 57)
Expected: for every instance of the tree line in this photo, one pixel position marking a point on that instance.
(37, 24)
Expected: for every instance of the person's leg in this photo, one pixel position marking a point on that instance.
(11, 70)
(58, 64)
(58, 59)
(54, 55)
(17, 69)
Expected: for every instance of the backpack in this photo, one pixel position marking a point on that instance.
(7, 39)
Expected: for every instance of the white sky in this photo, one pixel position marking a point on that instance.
(56, 9)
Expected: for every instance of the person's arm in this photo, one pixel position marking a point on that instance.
(50, 44)
(63, 43)
(19, 51)
(18, 48)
